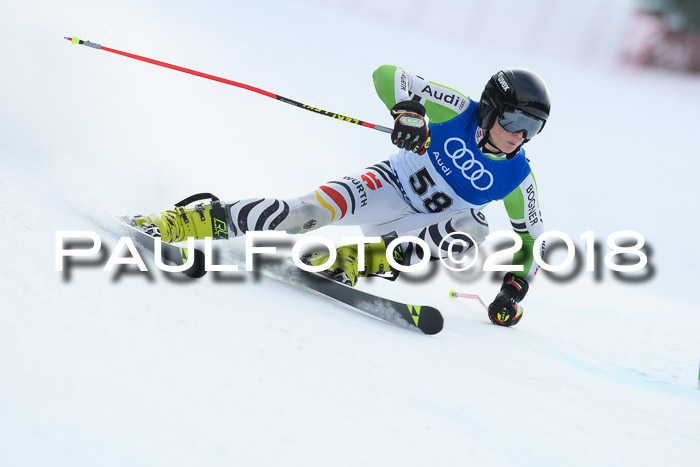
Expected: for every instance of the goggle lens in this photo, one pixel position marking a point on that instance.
(516, 120)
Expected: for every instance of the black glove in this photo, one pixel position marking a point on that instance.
(504, 310)
(410, 128)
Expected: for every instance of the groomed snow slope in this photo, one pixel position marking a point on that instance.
(129, 368)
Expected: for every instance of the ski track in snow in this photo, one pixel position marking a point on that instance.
(131, 368)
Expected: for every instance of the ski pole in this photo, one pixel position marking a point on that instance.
(384, 129)
(455, 294)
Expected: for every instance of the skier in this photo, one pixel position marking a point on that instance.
(451, 164)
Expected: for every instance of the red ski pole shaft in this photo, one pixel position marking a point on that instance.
(355, 121)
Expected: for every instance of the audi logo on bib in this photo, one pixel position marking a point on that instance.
(466, 165)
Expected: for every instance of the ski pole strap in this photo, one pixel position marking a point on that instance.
(198, 197)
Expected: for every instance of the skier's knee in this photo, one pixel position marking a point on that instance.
(304, 217)
(472, 223)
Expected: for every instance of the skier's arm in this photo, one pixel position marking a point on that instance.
(394, 84)
(523, 209)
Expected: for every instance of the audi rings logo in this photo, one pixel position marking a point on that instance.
(478, 174)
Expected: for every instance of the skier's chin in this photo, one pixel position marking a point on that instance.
(512, 145)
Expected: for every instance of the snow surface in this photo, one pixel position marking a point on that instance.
(127, 368)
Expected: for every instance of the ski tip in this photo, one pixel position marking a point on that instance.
(433, 325)
(426, 318)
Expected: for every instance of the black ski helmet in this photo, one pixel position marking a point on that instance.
(514, 88)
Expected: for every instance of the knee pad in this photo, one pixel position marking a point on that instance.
(473, 223)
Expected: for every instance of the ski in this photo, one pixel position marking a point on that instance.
(422, 318)
(426, 319)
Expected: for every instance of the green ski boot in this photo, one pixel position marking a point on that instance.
(345, 269)
(204, 220)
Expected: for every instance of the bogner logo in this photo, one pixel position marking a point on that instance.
(504, 84)
(532, 205)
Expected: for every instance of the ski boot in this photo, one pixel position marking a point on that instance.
(345, 269)
(177, 225)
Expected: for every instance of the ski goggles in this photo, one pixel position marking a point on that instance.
(516, 120)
